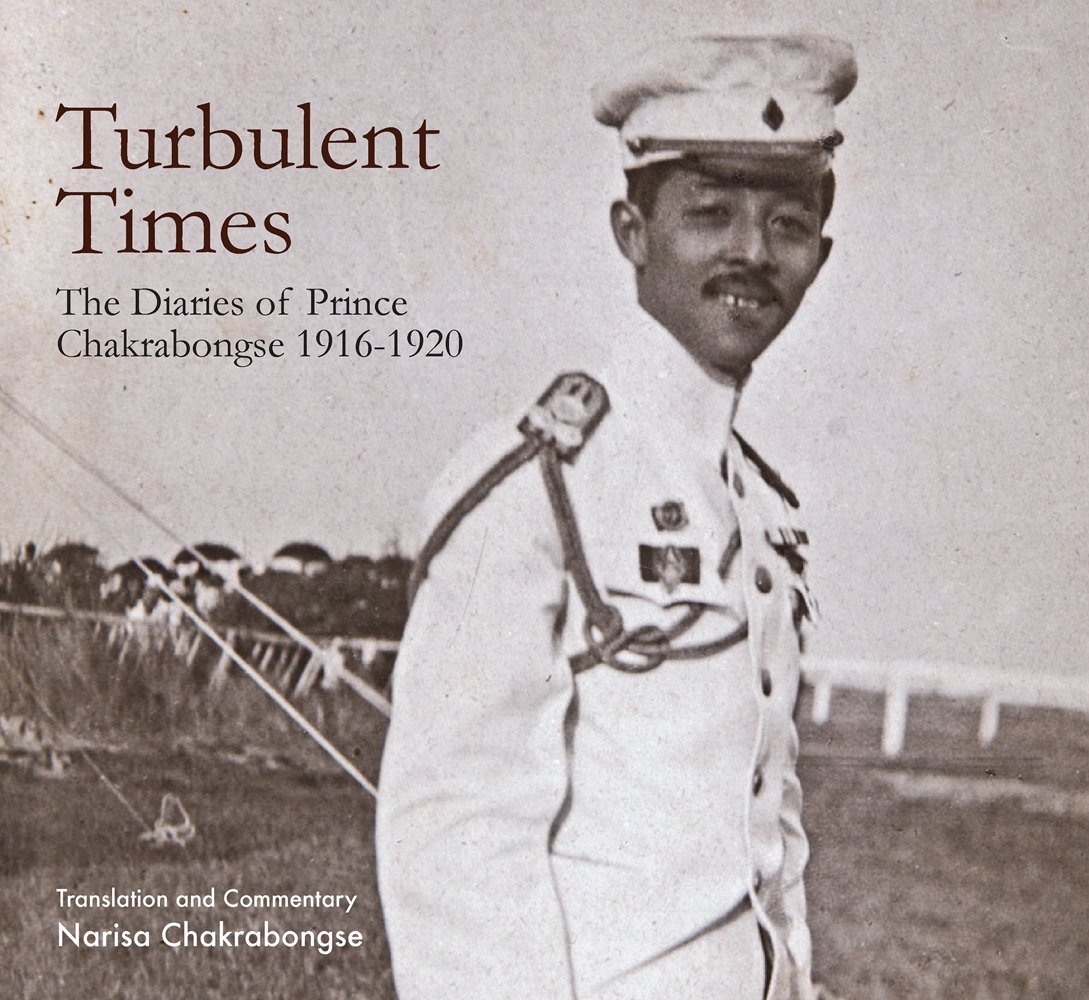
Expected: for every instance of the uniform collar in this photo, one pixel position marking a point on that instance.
(650, 373)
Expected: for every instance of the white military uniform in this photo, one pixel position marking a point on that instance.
(546, 835)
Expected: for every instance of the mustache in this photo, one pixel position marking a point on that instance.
(746, 284)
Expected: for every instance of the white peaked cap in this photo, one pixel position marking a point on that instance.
(765, 97)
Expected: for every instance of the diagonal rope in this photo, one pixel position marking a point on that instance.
(357, 684)
(254, 675)
(250, 671)
(32, 689)
(86, 757)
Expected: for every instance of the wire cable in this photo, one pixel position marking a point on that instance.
(206, 629)
(358, 685)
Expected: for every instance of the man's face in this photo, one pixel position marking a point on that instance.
(724, 263)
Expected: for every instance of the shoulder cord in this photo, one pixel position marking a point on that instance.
(647, 646)
(508, 464)
(554, 431)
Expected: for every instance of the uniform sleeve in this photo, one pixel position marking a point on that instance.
(474, 771)
(795, 858)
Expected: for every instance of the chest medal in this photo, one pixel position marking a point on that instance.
(670, 515)
(669, 565)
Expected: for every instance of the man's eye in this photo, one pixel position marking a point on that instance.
(710, 211)
(794, 225)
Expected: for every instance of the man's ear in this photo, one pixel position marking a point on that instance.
(629, 231)
(826, 249)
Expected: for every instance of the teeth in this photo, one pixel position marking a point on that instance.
(740, 302)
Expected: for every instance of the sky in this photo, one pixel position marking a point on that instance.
(928, 402)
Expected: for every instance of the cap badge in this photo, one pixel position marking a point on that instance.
(670, 516)
(773, 115)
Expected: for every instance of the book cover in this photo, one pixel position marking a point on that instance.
(265, 267)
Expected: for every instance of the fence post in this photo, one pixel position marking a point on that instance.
(895, 722)
(988, 719)
(308, 676)
(125, 646)
(283, 679)
(192, 652)
(822, 701)
(263, 665)
(277, 668)
(219, 672)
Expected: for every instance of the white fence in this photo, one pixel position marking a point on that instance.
(274, 654)
(897, 680)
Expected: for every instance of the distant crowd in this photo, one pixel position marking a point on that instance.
(354, 596)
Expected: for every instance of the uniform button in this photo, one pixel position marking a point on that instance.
(763, 580)
(765, 682)
(739, 486)
(757, 781)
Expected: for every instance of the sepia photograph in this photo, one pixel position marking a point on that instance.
(581, 501)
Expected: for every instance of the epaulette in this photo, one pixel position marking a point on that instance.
(567, 414)
(563, 418)
(767, 473)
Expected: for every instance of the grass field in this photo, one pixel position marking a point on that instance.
(934, 899)
(911, 895)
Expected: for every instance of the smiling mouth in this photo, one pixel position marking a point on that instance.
(739, 305)
(746, 296)
(732, 301)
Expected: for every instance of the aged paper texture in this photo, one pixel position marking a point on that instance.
(927, 403)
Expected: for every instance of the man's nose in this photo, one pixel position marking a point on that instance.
(747, 241)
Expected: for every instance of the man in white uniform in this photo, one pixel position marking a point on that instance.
(588, 788)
